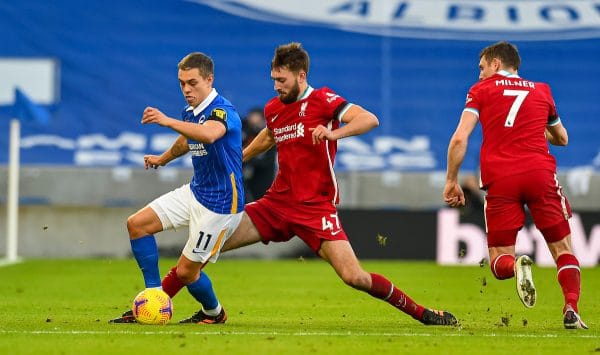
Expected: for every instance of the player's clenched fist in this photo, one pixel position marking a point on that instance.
(152, 161)
(154, 115)
(321, 133)
(454, 195)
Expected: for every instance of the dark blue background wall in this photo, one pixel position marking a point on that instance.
(117, 57)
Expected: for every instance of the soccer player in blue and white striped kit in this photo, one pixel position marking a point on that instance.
(211, 204)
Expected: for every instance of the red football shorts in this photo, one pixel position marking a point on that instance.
(279, 220)
(505, 207)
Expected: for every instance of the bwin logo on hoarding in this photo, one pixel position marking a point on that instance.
(434, 19)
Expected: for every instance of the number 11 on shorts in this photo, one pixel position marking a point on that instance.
(208, 238)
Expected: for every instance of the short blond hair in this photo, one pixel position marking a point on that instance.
(200, 61)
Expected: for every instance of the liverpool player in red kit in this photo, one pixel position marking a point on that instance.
(304, 124)
(518, 119)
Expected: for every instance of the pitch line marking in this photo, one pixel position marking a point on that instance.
(295, 334)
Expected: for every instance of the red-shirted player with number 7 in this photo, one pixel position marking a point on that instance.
(518, 118)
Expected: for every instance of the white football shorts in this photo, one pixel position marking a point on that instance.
(208, 230)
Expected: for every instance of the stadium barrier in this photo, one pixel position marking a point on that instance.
(455, 237)
(444, 235)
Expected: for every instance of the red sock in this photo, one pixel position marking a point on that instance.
(171, 283)
(383, 289)
(569, 279)
(503, 266)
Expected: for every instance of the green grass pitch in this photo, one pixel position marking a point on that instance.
(288, 307)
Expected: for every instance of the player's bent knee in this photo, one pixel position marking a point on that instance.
(358, 280)
(187, 275)
(135, 228)
(132, 225)
(142, 223)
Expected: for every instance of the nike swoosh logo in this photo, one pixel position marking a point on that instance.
(274, 118)
(197, 251)
(336, 232)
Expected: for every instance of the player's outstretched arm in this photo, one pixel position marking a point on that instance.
(453, 194)
(177, 149)
(557, 134)
(260, 144)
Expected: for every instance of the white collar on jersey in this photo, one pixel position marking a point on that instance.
(203, 104)
(507, 74)
(306, 93)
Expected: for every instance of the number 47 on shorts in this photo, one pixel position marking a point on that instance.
(328, 223)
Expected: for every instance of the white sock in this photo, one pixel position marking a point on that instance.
(213, 312)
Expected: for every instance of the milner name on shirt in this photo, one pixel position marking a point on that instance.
(516, 83)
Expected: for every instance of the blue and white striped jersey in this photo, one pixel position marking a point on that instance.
(218, 181)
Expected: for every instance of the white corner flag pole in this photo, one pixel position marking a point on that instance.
(13, 191)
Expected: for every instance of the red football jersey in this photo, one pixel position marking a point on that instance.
(305, 169)
(513, 113)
